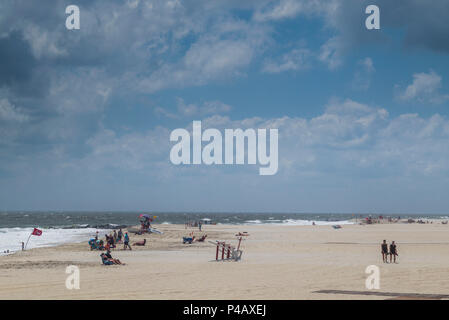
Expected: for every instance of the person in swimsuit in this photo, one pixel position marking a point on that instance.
(126, 242)
(140, 243)
(105, 260)
(384, 250)
(393, 251)
(110, 258)
(111, 241)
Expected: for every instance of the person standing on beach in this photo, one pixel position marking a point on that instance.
(126, 242)
(393, 251)
(119, 235)
(384, 250)
(111, 241)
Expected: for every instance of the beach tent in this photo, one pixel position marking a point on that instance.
(206, 221)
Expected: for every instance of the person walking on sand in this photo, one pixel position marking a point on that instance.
(393, 251)
(384, 250)
(126, 242)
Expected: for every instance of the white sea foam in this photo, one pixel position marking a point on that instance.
(253, 222)
(11, 238)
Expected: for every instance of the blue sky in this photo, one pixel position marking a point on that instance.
(363, 116)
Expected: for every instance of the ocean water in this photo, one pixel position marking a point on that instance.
(105, 220)
(65, 227)
(11, 238)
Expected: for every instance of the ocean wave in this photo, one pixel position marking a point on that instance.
(253, 221)
(87, 226)
(11, 238)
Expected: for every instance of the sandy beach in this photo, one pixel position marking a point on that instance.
(278, 262)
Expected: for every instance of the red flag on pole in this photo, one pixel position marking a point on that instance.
(36, 232)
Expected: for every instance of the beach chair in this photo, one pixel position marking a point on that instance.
(188, 240)
(202, 238)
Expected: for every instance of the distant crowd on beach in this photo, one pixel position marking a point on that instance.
(387, 219)
(198, 223)
(194, 224)
(378, 219)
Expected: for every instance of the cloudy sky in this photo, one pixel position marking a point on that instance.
(363, 116)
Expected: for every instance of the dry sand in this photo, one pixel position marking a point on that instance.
(279, 262)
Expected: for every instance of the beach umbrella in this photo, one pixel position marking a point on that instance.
(144, 216)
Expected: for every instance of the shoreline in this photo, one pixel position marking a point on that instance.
(92, 230)
(164, 225)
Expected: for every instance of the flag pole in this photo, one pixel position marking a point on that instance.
(28, 239)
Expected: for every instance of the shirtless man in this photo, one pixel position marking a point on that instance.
(140, 243)
(384, 250)
(393, 251)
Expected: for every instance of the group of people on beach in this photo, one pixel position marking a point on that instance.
(194, 224)
(114, 238)
(393, 251)
(111, 241)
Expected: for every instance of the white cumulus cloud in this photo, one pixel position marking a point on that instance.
(425, 88)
